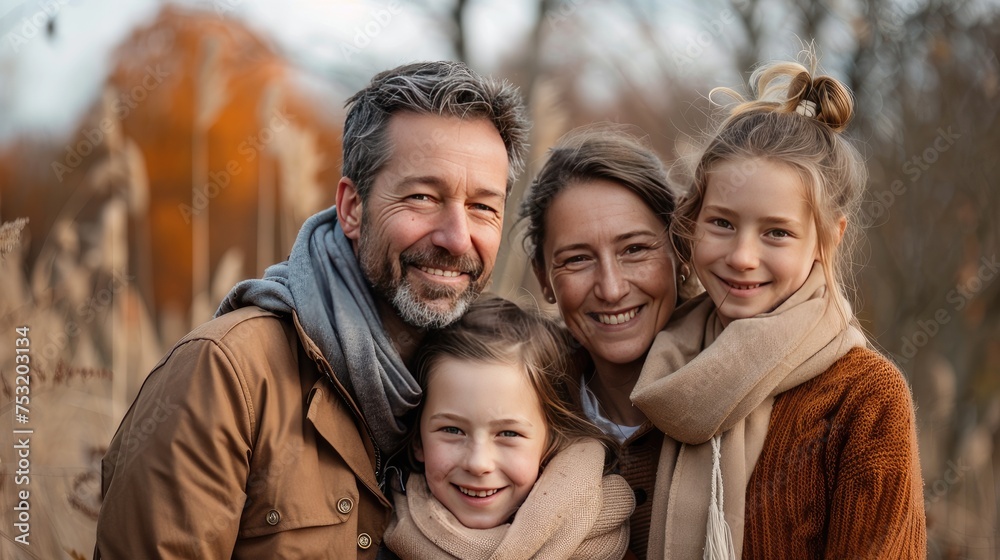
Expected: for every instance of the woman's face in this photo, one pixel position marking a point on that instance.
(609, 264)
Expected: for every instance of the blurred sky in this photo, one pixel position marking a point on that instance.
(46, 82)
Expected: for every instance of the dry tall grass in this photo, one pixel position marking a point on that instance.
(93, 337)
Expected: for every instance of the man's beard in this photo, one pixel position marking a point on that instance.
(416, 305)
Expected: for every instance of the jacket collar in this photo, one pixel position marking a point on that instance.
(327, 395)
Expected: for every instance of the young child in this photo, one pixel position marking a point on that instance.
(504, 468)
(785, 434)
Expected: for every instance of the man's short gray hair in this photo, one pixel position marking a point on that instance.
(443, 88)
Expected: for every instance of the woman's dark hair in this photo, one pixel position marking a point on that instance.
(594, 153)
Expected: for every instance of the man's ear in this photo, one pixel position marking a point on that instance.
(349, 208)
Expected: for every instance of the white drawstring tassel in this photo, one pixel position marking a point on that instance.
(718, 538)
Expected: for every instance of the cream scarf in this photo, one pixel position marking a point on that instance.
(572, 512)
(700, 381)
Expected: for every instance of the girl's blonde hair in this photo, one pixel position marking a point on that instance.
(795, 118)
(497, 330)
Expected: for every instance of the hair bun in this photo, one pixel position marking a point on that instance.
(789, 87)
(823, 98)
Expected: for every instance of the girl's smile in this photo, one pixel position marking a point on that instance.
(755, 239)
(482, 437)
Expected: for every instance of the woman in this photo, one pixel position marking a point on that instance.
(597, 235)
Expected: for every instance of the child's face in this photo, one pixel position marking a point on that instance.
(755, 239)
(482, 436)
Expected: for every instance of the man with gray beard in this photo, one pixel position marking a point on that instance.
(264, 432)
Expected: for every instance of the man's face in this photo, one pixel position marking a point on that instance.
(428, 235)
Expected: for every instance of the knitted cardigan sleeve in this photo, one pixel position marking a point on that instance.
(877, 507)
(839, 475)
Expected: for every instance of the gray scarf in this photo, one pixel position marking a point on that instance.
(322, 283)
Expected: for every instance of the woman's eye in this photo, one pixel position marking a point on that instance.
(633, 249)
(719, 222)
(780, 233)
(509, 433)
(573, 261)
(451, 430)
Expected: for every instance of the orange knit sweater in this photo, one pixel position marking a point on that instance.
(839, 475)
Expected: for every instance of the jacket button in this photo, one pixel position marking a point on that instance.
(345, 505)
(364, 541)
(273, 517)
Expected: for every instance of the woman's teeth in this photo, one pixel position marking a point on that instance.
(618, 318)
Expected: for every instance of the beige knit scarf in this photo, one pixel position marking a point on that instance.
(572, 512)
(699, 381)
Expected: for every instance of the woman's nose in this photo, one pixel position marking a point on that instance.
(612, 285)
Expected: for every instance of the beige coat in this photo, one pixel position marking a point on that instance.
(240, 446)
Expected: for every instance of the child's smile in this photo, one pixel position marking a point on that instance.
(755, 240)
(482, 437)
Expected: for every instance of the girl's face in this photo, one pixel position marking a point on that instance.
(755, 238)
(482, 437)
(609, 263)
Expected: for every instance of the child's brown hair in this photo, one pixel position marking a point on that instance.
(496, 330)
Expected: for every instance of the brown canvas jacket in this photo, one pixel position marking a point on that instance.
(239, 445)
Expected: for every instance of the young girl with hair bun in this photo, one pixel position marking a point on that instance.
(786, 435)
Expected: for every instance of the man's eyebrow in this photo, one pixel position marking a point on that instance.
(438, 182)
(487, 192)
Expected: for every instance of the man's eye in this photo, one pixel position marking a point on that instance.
(484, 208)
